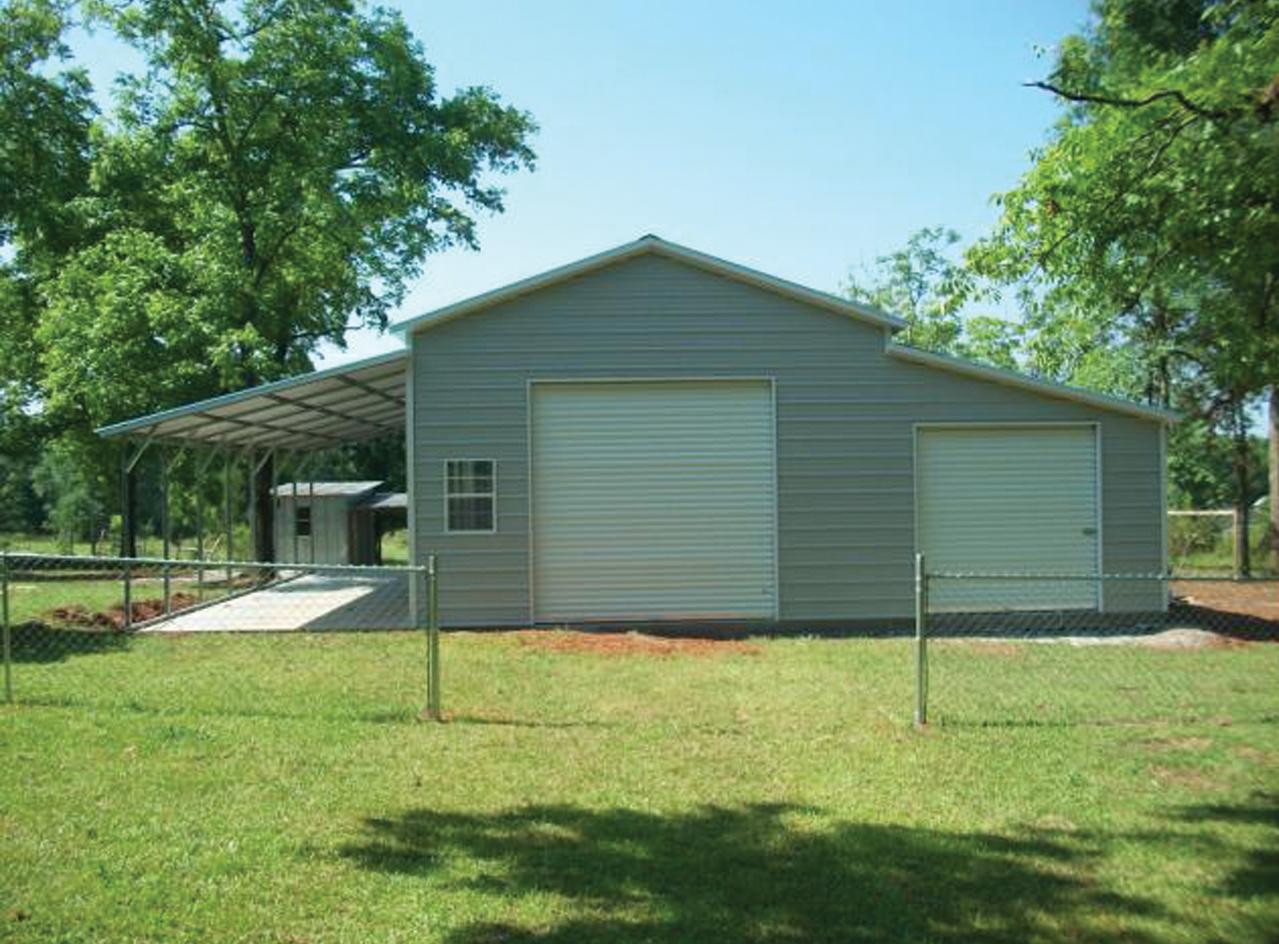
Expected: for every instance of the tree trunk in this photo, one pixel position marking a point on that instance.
(264, 512)
(1274, 477)
(1243, 563)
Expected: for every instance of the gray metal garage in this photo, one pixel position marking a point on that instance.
(653, 433)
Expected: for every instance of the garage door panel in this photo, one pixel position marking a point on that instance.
(1010, 500)
(653, 500)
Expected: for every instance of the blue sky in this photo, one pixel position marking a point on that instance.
(802, 139)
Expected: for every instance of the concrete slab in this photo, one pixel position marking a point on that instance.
(307, 603)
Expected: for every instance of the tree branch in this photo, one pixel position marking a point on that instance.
(1209, 114)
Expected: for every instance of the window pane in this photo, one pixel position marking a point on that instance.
(470, 476)
(302, 521)
(470, 514)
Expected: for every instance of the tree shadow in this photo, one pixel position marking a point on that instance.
(760, 873)
(1258, 875)
(1232, 623)
(37, 642)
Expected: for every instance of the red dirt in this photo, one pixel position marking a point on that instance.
(80, 617)
(1259, 600)
(631, 644)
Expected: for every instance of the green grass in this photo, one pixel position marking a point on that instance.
(395, 547)
(1205, 546)
(183, 546)
(278, 788)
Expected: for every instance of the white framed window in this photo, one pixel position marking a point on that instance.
(470, 495)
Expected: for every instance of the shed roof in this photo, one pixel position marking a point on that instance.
(1011, 378)
(382, 501)
(320, 410)
(325, 489)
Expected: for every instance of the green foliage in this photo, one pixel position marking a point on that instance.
(1153, 212)
(44, 125)
(1199, 467)
(272, 180)
(923, 284)
(63, 481)
(1145, 237)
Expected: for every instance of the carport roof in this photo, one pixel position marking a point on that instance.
(321, 410)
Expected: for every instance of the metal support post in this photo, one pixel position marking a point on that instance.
(293, 516)
(921, 642)
(249, 509)
(1235, 544)
(275, 507)
(125, 523)
(226, 514)
(166, 529)
(199, 530)
(310, 504)
(127, 578)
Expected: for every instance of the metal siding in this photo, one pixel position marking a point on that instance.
(1012, 499)
(329, 530)
(845, 415)
(653, 501)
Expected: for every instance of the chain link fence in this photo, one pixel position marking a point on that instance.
(1045, 649)
(164, 635)
(56, 611)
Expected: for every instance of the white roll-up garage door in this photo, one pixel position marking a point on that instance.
(1009, 500)
(653, 500)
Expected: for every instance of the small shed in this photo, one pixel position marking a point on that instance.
(334, 522)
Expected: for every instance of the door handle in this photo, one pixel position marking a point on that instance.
(1089, 531)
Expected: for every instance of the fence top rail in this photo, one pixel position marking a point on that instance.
(108, 561)
(1031, 575)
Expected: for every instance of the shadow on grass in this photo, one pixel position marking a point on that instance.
(504, 722)
(756, 873)
(1258, 875)
(36, 642)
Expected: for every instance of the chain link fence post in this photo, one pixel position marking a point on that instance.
(432, 640)
(4, 627)
(921, 642)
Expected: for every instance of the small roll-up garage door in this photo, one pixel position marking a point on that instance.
(653, 500)
(1009, 500)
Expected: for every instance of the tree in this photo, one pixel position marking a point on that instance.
(925, 286)
(45, 116)
(63, 480)
(304, 155)
(1150, 221)
(274, 179)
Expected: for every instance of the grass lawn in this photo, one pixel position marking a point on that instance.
(277, 788)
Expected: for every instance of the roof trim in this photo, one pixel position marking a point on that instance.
(1011, 378)
(141, 423)
(650, 245)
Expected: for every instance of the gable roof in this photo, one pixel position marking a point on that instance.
(650, 245)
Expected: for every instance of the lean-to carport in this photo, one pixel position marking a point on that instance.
(288, 421)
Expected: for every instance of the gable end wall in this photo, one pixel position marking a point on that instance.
(846, 413)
